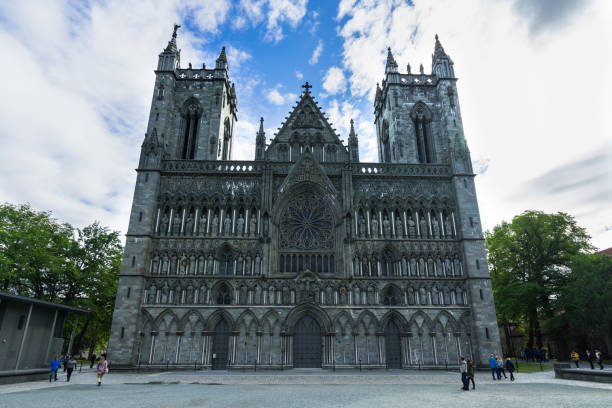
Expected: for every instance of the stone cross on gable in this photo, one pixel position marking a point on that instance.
(307, 87)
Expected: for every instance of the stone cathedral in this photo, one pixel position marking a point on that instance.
(304, 256)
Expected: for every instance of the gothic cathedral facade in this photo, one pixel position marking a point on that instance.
(304, 256)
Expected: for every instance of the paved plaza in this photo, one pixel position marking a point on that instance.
(306, 388)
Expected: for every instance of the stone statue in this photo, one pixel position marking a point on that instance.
(399, 227)
(164, 293)
(189, 225)
(421, 69)
(386, 227)
(215, 225)
(247, 269)
(202, 225)
(447, 267)
(435, 227)
(189, 295)
(374, 225)
(447, 228)
(240, 226)
(176, 224)
(210, 265)
(411, 227)
(163, 228)
(183, 262)
(227, 225)
(257, 264)
(362, 226)
(423, 225)
(253, 226)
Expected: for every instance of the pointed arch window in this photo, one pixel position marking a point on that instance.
(191, 113)
(421, 117)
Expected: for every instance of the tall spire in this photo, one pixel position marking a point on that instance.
(441, 64)
(171, 47)
(353, 144)
(222, 60)
(260, 141)
(170, 57)
(391, 64)
(439, 50)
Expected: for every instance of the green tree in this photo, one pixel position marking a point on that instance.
(529, 259)
(35, 252)
(583, 309)
(45, 259)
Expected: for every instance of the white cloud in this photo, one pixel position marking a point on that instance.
(522, 100)
(276, 13)
(206, 15)
(72, 126)
(334, 81)
(316, 53)
(299, 75)
(275, 97)
(235, 57)
(340, 114)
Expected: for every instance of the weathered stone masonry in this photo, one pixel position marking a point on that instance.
(304, 257)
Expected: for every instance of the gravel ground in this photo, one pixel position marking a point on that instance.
(305, 389)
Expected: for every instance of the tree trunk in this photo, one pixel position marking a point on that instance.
(509, 345)
(538, 333)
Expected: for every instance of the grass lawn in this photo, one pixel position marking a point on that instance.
(524, 367)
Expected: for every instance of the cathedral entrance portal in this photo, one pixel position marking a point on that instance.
(220, 346)
(393, 349)
(307, 343)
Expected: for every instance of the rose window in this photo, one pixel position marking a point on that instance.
(306, 223)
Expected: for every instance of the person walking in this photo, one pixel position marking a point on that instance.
(599, 358)
(70, 366)
(590, 357)
(463, 371)
(510, 368)
(500, 368)
(470, 374)
(493, 365)
(92, 358)
(575, 358)
(55, 365)
(101, 369)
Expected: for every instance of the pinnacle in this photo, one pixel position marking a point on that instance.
(222, 56)
(171, 47)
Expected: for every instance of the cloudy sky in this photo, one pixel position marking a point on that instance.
(534, 88)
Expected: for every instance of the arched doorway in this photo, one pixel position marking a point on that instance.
(220, 346)
(307, 343)
(393, 349)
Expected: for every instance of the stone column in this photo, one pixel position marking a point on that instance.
(380, 338)
(258, 355)
(152, 349)
(433, 345)
(179, 341)
(196, 220)
(157, 220)
(207, 226)
(170, 221)
(234, 221)
(183, 221)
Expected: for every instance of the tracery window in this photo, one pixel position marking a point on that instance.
(307, 223)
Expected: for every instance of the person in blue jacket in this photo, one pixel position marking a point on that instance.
(55, 365)
(493, 365)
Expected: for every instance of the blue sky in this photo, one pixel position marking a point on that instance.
(533, 89)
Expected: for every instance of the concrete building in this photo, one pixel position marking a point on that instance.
(304, 256)
(31, 333)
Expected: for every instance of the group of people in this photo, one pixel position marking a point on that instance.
(590, 356)
(535, 355)
(496, 363)
(69, 363)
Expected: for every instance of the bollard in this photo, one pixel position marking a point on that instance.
(359, 365)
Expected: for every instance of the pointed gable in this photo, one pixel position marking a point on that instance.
(307, 126)
(307, 170)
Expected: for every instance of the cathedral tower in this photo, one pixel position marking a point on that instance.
(304, 256)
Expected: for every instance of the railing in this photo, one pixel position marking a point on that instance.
(336, 168)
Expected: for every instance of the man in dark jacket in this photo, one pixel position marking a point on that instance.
(510, 368)
(590, 357)
(70, 366)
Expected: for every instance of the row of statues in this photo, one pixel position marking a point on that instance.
(203, 229)
(412, 231)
